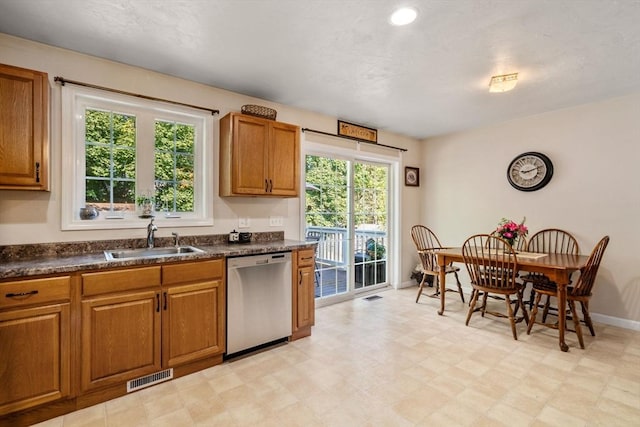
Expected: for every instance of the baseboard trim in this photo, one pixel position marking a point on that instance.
(616, 321)
(407, 284)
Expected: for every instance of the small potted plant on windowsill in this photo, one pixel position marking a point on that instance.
(144, 204)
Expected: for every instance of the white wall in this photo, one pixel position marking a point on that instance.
(595, 190)
(34, 217)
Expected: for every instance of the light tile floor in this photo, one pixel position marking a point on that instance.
(392, 362)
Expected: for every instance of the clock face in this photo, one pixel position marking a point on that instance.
(530, 171)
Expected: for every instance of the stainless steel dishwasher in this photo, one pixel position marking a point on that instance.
(258, 300)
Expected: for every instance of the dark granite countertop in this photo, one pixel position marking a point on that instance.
(91, 257)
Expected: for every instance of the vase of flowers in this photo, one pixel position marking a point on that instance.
(511, 231)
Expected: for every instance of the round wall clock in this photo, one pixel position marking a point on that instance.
(530, 171)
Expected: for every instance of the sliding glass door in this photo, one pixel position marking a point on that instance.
(346, 212)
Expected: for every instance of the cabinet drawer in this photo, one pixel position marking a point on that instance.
(306, 257)
(120, 280)
(35, 291)
(192, 271)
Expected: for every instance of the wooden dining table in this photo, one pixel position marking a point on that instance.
(558, 267)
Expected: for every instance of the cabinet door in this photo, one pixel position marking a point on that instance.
(24, 144)
(249, 158)
(192, 322)
(305, 310)
(284, 159)
(34, 356)
(120, 338)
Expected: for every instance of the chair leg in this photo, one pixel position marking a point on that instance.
(459, 286)
(545, 311)
(576, 322)
(472, 305)
(512, 318)
(424, 278)
(534, 313)
(587, 318)
(531, 297)
(484, 302)
(521, 303)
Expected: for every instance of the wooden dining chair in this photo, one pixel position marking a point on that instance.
(427, 244)
(548, 241)
(520, 245)
(580, 292)
(492, 266)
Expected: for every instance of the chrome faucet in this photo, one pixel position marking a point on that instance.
(151, 228)
(176, 239)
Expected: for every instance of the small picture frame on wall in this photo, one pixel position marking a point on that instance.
(411, 177)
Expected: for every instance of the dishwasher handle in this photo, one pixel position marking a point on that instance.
(258, 260)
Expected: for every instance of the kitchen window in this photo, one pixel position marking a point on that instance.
(121, 153)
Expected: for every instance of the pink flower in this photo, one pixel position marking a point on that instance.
(510, 230)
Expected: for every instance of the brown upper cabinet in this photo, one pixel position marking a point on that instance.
(24, 129)
(258, 157)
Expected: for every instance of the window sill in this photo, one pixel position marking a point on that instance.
(102, 223)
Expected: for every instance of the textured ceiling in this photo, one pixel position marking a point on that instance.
(342, 58)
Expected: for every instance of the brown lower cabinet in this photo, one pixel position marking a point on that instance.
(71, 341)
(35, 344)
(303, 293)
(166, 323)
(120, 338)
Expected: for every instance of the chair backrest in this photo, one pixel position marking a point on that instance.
(429, 261)
(490, 261)
(553, 241)
(424, 238)
(588, 273)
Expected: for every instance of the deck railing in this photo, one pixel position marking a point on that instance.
(333, 243)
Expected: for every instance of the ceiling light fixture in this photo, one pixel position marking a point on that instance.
(404, 16)
(503, 83)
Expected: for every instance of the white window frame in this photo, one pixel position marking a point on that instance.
(75, 99)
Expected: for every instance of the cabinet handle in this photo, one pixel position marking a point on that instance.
(157, 303)
(165, 302)
(300, 281)
(266, 185)
(270, 186)
(21, 294)
(307, 258)
(37, 171)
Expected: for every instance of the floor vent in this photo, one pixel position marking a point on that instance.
(373, 297)
(149, 380)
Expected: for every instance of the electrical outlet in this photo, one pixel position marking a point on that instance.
(276, 221)
(243, 222)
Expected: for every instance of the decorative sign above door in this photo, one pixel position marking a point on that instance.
(356, 131)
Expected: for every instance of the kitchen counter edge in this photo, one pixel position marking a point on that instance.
(24, 268)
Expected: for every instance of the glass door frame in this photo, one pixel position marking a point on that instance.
(316, 148)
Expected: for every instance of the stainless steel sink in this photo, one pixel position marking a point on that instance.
(117, 254)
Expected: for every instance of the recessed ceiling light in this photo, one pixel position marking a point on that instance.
(404, 16)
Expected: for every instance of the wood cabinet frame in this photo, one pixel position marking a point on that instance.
(24, 128)
(258, 157)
